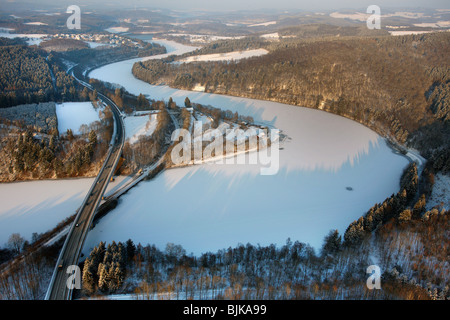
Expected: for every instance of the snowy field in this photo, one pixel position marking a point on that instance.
(361, 16)
(406, 32)
(212, 206)
(71, 115)
(38, 206)
(32, 39)
(235, 55)
(138, 126)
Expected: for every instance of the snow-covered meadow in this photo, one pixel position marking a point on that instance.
(71, 115)
(263, 24)
(212, 206)
(117, 29)
(203, 38)
(38, 206)
(94, 45)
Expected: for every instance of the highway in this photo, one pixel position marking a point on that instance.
(71, 250)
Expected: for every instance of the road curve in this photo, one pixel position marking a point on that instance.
(70, 252)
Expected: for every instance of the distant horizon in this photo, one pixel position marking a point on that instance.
(229, 6)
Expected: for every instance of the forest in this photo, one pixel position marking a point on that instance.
(53, 155)
(30, 75)
(398, 86)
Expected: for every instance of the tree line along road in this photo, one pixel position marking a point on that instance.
(71, 250)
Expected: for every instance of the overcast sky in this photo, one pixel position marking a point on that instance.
(220, 5)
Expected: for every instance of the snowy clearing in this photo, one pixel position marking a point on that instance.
(229, 56)
(71, 115)
(405, 32)
(94, 45)
(36, 23)
(271, 36)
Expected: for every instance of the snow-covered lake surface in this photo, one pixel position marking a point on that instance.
(117, 29)
(265, 24)
(71, 115)
(94, 45)
(212, 206)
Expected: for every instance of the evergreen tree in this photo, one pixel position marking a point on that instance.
(419, 207)
(93, 95)
(332, 243)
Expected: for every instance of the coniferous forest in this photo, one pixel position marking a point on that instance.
(399, 86)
